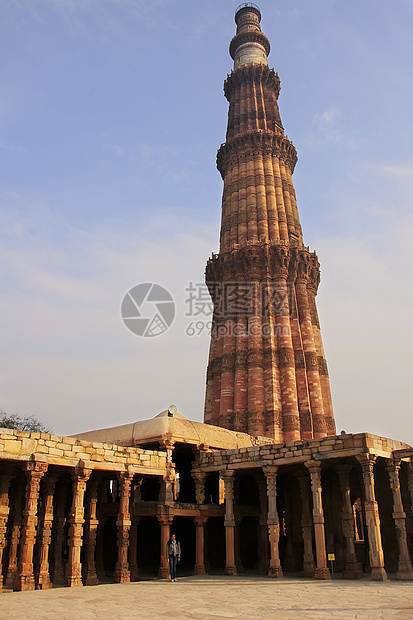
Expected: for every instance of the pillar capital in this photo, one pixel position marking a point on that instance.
(367, 461)
(35, 468)
(227, 474)
(81, 474)
(125, 475)
(199, 476)
(270, 471)
(393, 465)
(313, 465)
(165, 519)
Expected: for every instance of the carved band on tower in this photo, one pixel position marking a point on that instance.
(267, 373)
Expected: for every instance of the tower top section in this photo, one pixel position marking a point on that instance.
(249, 45)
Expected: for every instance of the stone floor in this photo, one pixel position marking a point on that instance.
(216, 597)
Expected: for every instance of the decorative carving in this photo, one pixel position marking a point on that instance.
(311, 360)
(286, 357)
(255, 358)
(228, 362)
(299, 359)
(241, 358)
(278, 145)
(322, 366)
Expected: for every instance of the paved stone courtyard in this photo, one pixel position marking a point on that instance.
(217, 597)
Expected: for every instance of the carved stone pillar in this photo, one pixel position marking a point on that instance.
(404, 567)
(43, 581)
(273, 522)
(229, 481)
(199, 478)
(4, 516)
(199, 568)
(321, 572)
(25, 576)
(306, 528)
(352, 569)
(122, 573)
(166, 493)
(133, 549)
(76, 521)
(371, 510)
(165, 521)
(58, 533)
(99, 563)
(12, 568)
(91, 527)
(237, 542)
(168, 481)
(263, 544)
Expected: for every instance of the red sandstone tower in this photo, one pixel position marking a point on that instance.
(267, 374)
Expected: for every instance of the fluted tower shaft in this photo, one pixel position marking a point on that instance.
(267, 373)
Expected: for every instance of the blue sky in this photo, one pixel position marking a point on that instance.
(112, 113)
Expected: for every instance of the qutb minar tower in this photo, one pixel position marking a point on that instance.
(267, 373)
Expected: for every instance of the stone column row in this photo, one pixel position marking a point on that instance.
(316, 566)
(27, 526)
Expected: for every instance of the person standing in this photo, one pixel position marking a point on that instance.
(173, 551)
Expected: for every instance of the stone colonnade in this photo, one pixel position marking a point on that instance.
(315, 558)
(38, 526)
(42, 513)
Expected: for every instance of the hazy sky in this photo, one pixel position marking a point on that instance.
(112, 112)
